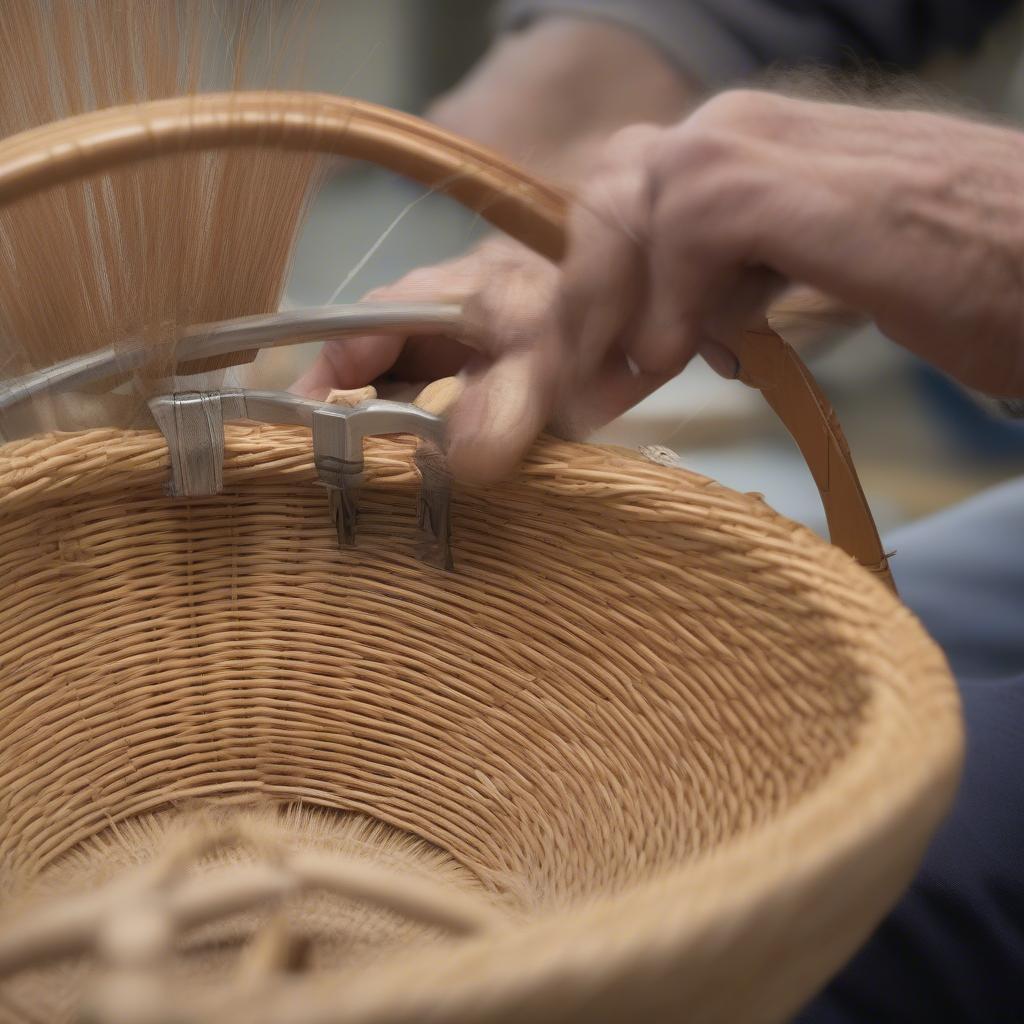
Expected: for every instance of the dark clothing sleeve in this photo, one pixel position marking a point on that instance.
(721, 42)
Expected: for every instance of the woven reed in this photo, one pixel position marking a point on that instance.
(688, 752)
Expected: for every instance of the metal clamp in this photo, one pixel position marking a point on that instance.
(193, 425)
(207, 341)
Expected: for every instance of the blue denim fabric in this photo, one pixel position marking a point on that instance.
(953, 948)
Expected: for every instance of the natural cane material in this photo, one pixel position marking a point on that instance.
(686, 752)
(141, 253)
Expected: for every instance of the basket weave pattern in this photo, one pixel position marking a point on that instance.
(638, 715)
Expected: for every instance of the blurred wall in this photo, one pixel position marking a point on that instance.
(396, 52)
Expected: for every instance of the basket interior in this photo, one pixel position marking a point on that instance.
(628, 668)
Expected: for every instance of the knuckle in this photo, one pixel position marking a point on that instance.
(744, 110)
(711, 178)
(509, 259)
(661, 359)
(613, 201)
(479, 307)
(704, 149)
(616, 199)
(500, 319)
(627, 145)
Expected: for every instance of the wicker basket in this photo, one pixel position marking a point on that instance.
(652, 752)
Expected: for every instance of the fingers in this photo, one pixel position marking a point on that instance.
(430, 357)
(656, 269)
(612, 390)
(348, 363)
(509, 351)
(658, 262)
(685, 235)
(354, 362)
(604, 273)
(705, 284)
(514, 375)
(505, 406)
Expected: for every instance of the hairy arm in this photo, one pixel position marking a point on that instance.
(722, 42)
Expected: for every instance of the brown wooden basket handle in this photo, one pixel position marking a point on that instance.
(520, 205)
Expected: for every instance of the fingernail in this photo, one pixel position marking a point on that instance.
(721, 359)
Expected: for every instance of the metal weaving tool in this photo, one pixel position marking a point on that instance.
(193, 421)
(193, 424)
(208, 341)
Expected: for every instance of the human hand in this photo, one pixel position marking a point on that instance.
(505, 291)
(549, 96)
(683, 235)
(507, 294)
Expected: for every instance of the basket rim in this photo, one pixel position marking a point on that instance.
(101, 460)
(697, 905)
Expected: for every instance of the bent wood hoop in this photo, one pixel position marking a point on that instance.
(519, 204)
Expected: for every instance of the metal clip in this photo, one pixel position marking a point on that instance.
(193, 425)
(224, 338)
(434, 507)
(193, 422)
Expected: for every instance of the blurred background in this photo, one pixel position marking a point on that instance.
(919, 442)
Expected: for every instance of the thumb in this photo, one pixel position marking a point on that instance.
(503, 409)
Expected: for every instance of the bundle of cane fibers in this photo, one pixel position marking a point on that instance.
(135, 255)
(640, 749)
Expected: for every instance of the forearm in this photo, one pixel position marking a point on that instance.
(551, 94)
(724, 42)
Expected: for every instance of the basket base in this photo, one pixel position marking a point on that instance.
(331, 931)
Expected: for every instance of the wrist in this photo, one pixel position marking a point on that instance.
(550, 94)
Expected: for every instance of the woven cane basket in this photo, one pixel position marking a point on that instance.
(651, 751)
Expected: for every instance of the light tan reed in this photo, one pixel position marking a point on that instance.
(141, 252)
(678, 740)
